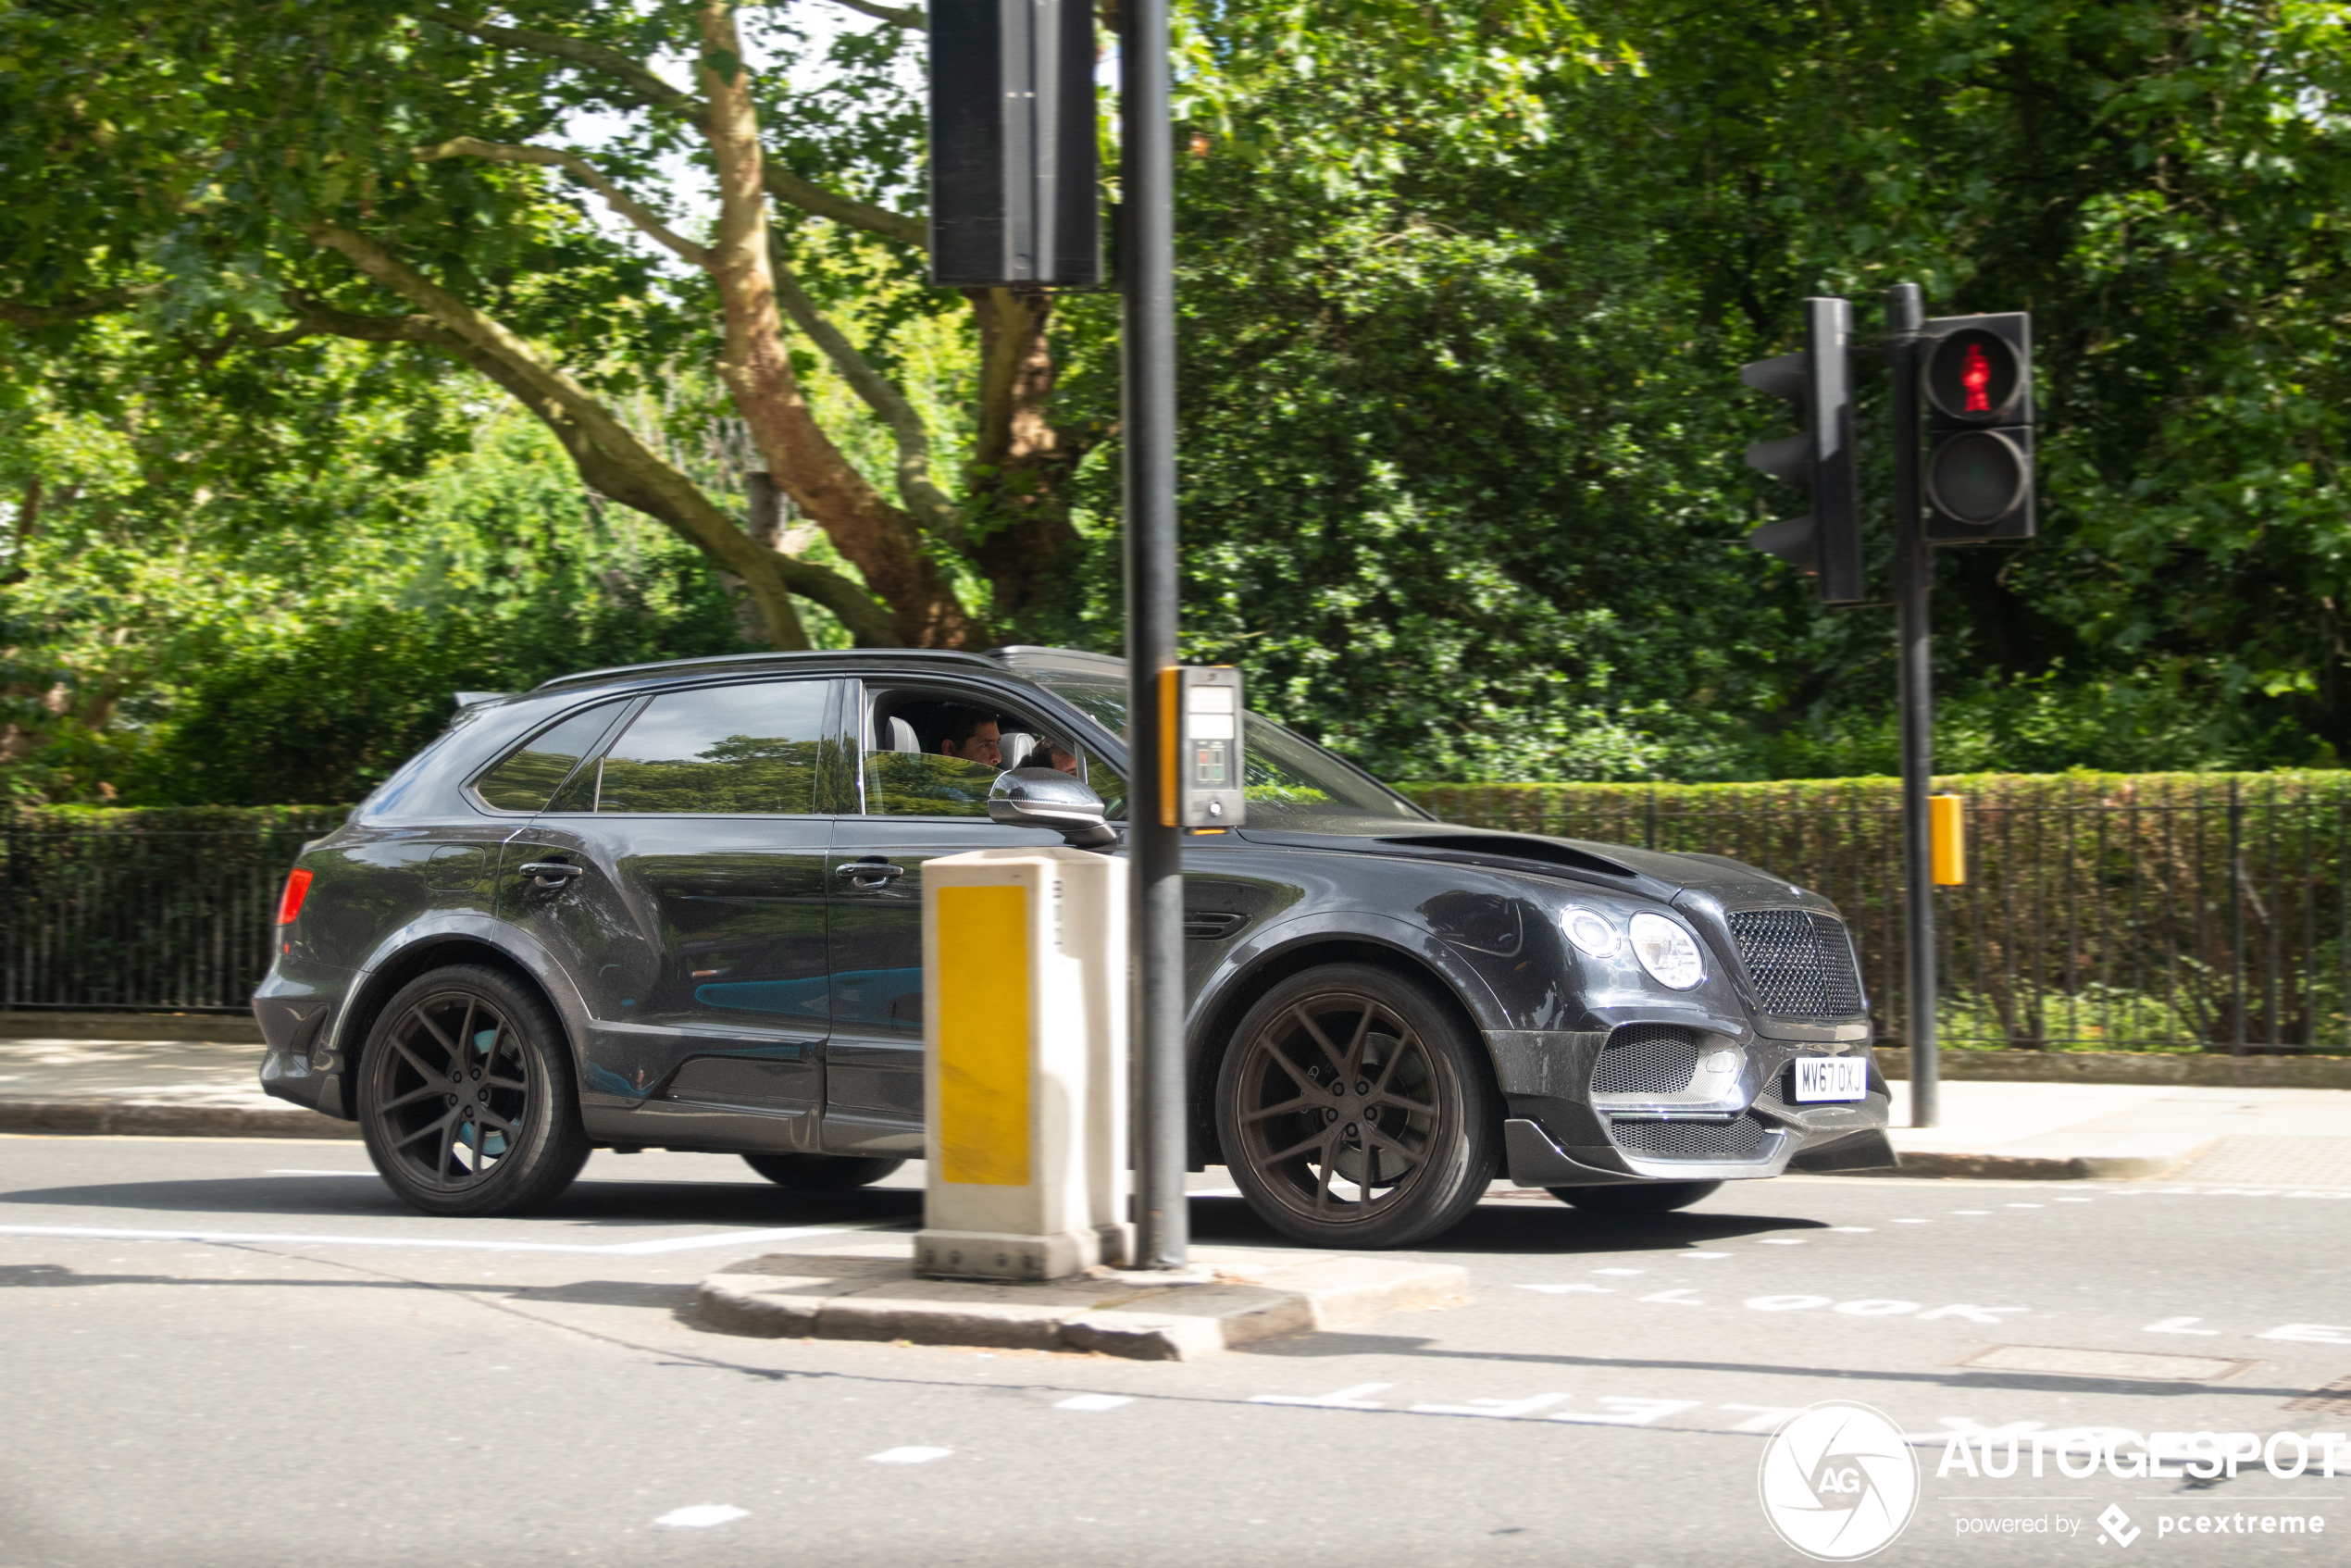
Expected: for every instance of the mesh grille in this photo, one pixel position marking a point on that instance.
(1742, 1139)
(1647, 1059)
(1801, 963)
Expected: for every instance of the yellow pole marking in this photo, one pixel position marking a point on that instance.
(1946, 830)
(982, 1007)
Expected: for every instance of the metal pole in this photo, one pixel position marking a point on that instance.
(1914, 588)
(1147, 345)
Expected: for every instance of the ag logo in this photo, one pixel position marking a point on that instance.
(1838, 1481)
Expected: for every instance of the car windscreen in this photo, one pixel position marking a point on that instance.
(1289, 781)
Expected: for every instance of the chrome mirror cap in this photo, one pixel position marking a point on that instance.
(1044, 797)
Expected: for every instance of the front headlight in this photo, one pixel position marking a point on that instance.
(1667, 952)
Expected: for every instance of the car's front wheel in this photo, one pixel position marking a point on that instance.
(1641, 1198)
(821, 1173)
(1355, 1110)
(467, 1097)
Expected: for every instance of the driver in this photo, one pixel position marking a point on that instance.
(973, 735)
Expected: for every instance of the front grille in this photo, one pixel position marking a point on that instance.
(1743, 1137)
(1801, 964)
(1647, 1059)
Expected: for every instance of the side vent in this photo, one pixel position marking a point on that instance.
(1212, 925)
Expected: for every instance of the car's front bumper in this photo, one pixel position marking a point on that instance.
(1560, 1134)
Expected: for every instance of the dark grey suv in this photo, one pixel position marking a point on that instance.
(678, 907)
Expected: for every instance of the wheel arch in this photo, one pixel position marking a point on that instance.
(1404, 951)
(402, 961)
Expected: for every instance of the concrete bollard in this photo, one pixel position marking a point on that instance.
(1025, 1046)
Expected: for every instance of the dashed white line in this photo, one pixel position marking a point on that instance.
(703, 1515)
(1093, 1401)
(619, 1249)
(1626, 1271)
(908, 1455)
(1780, 1240)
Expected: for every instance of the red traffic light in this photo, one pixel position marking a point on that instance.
(1977, 375)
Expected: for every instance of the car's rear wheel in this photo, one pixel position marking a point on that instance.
(1642, 1198)
(467, 1097)
(1355, 1111)
(821, 1173)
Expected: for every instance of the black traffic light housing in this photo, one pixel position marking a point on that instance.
(1014, 166)
(1826, 542)
(1976, 376)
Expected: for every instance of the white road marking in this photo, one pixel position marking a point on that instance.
(1094, 1401)
(1765, 1417)
(323, 1173)
(1786, 1304)
(1350, 1397)
(1876, 1307)
(1214, 1193)
(1679, 1297)
(908, 1455)
(1913, 1222)
(1854, 1229)
(1627, 1411)
(619, 1249)
(1705, 1254)
(1975, 1212)
(2077, 1200)
(1780, 1240)
(1620, 1271)
(2177, 1325)
(1571, 1289)
(2028, 1205)
(1501, 1410)
(703, 1515)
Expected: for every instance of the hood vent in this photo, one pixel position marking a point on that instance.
(1501, 846)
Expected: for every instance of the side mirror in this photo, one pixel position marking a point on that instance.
(1044, 797)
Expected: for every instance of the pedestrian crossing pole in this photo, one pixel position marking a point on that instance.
(1913, 594)
(1147, 346)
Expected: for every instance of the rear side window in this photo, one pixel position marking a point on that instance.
(527, 778)
(727, 750)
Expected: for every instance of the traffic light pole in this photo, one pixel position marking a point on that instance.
(1147, 340)
(1914, 588)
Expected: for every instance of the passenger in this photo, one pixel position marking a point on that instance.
(1056, 756)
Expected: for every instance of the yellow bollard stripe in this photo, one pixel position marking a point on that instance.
(982, 1007)
(1946, 832)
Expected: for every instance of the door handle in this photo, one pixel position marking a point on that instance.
(868, 873)
(552, 873)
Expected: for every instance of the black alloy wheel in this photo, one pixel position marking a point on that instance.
(821, 1173)
(1354, 1111)
(467, 1098)
(1636, 1198)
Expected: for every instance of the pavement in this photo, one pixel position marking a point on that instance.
(247, 1354)
(2006, 1130)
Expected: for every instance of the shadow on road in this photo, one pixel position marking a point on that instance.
(1549, 1229)
(587, 1202)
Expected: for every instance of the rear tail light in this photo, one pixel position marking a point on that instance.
(290, 901)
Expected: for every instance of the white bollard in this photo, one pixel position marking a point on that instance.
(1025, 1051)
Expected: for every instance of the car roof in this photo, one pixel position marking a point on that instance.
(1025, 661)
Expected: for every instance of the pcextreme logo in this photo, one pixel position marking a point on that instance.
(1838, 1481)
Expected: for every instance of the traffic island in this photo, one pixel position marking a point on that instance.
(1229, 1298)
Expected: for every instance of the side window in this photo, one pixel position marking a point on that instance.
(719, 749)
(930, 754)
(527, 777)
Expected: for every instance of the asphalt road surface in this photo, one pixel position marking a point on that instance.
(246, 1353)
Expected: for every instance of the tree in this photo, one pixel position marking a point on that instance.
(247, 177)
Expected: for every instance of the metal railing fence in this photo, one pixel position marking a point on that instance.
(2116, 912)
(2122, 912)
(145, 910)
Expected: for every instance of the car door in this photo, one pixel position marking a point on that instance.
(915, 805)
(679, 878)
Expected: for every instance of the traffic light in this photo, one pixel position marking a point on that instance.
(1975, 373)
(1013, 162)
(1827, 542)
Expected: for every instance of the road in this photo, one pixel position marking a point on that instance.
(246, 1352)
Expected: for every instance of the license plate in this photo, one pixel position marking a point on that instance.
(1832, 1077)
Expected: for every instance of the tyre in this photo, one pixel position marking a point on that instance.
(467, 1095)
(821, 1173)
(1636, 1198)
(1356, 1110)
